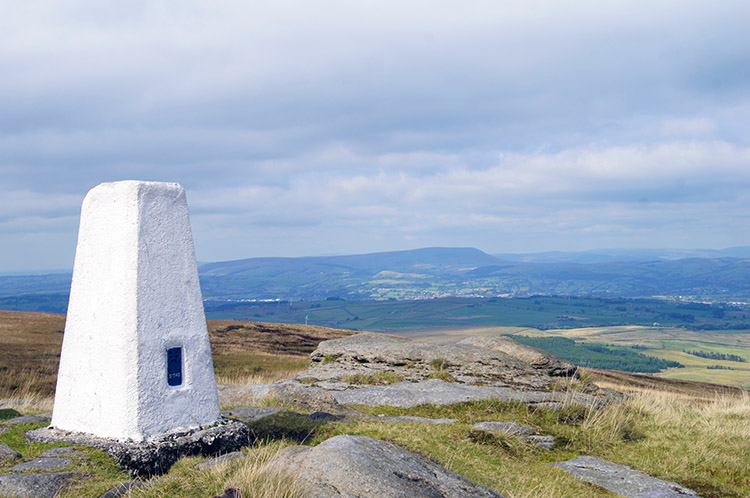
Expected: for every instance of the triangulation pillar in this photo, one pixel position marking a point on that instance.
(136, 360)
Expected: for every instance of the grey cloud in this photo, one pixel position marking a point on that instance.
(336, 126)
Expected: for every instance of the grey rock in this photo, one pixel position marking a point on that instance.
(41, 464)
(406, 418)
(358, 466)
(330, 417)
(25, 419)
(541, 442)
(228, 457)
(537, 358)
(252, 413)
(4, 429)
(512, 428)
(622, 480)
(156, 456)
(66, 451)
(44, 485)
(438, 392)
(123, 488)
(370, 353)
(8, 454)
(291, 393)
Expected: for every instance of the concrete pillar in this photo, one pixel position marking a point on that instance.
(136, 360)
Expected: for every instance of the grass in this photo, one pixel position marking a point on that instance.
(700, 442)
(29, 353)
(376, 379)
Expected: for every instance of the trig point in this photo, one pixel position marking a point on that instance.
(136, 361)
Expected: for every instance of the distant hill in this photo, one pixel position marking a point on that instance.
(619, 255)
(439, 272)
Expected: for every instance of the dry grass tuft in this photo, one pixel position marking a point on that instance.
(253, 475)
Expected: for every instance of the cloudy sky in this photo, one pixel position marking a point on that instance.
(332, 127)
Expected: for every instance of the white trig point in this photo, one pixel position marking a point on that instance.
(136, 361)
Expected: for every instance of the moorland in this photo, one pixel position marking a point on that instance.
(704, 428)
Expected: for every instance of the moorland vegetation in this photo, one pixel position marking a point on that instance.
(692, 433)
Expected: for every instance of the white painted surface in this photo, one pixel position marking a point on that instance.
(135, 293)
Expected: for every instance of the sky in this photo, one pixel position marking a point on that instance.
(303, 128)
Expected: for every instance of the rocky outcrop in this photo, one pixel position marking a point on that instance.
(347, 466)
(157, 455)
(44, 485)
(438, 392)
(622, 480)
(369, 354)
(537, 358)
(8, 454)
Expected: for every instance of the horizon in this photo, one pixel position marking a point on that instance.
(341, 128)
(54, 271)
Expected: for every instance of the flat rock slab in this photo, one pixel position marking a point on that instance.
(513, 428)
(156, 456)
(221, 459)
(252, 413)
(406, 418)
(8, 454)
(438, 392)
(622, 480)
(42, 464)
(66, 451)
(349, 466)
(44, 485)
(26, 419)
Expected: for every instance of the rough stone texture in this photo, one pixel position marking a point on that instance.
(289, 393)
(41, 464)
(134, 294)
(228, 457)
(252, 413)
(44, 485)
(350, 466)
(438, 392)
(67, 451)
(622, 480)
(123, 488)
(8, 454)
(27, 419)
(157, 455)
(513, 428)
(537, 358)
(330, 417)
(4, 429)
(370, 353)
